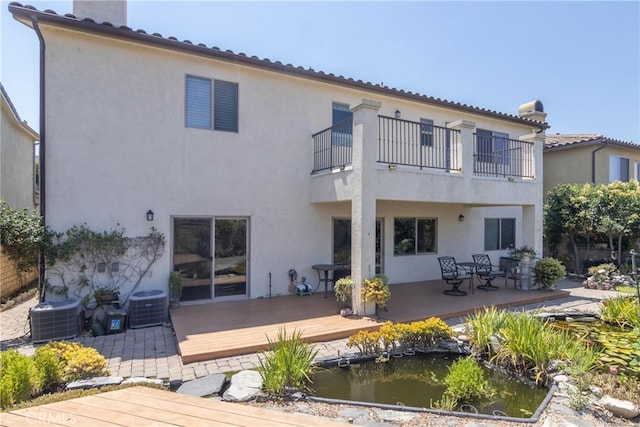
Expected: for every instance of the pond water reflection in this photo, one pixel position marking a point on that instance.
(418, 381)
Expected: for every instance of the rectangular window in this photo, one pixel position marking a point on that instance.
(414, 236)
(198, 102)
(341, 119)
(499, 233)
(426, 132)
(618, 169)
(636, 171)
(225, 110)
(202, 106)
(492, 147)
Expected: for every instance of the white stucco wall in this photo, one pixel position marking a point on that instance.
(117, 146)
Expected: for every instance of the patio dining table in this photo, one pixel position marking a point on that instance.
(326, 268)
(472, 267)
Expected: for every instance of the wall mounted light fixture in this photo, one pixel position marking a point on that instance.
(461, 218)
(149, 215)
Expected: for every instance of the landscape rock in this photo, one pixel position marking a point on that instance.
(205, 386)
(244, 386)
(94, 382)
(621, 408)
(399, 416)
(143, 380)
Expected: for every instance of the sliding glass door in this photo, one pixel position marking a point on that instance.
(230, 276)
(212, 255)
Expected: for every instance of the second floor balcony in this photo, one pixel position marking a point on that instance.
(425, 146)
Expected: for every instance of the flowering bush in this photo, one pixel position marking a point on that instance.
(376, 290)
(79, 361)
(401, 336)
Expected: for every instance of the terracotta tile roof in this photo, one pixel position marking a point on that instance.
(106, 28)
(568, 140)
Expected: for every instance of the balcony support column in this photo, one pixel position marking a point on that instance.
(363, 202)
(464, 152)
(532, 214)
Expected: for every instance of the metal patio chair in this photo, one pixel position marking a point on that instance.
(488, 272)
(454, 275)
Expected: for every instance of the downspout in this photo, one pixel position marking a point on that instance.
(593, 161)
(43, 157)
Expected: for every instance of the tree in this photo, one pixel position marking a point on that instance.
(567, 213)
(617, 206)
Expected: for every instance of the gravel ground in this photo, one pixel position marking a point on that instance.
(553, 416)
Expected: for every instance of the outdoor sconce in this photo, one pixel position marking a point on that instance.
(149, 215)
(461, 218)
(397, 114)
(393, 166)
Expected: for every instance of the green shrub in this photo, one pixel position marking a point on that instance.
(18, 378)
(622, 310)
(485, 324)
(288, 363)
(49, 368)
(609, 268)
(79, 361)
(548, 271)
(525, 343)
(466, 382)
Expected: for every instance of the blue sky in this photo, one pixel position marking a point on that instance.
(581, 59)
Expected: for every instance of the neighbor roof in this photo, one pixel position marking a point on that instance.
(25, 13)
(559, 141)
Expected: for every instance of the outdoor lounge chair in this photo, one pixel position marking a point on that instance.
(488, 272)
(454, 275)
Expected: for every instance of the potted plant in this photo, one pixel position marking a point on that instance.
(105, 295)
(175, 287)
(547, 272)
(376, 290)
(343, 288)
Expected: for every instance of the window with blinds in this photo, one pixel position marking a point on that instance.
(499, 233)
(225, 109)
(206, 106)
(198, 103)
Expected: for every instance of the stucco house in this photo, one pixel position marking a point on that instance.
(17, 162)
(588, 158)
(252, 168)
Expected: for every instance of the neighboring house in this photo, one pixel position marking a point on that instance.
(17, 165)
(17, 141)
(252, 167)
(588, 158)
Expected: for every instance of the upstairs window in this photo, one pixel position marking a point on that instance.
(225, 109)
(492, 147)
(207, 106)
(341, 120)
(618, 169)
(198, 102)
(426, 132)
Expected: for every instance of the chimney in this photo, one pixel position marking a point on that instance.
(112, 11)
(533, 110)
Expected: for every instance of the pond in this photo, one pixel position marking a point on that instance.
(418, 381)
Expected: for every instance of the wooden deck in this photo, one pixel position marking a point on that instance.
(143, 406)
(223, 329)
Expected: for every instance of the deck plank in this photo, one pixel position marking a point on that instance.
(224, 329)
(144, 406)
